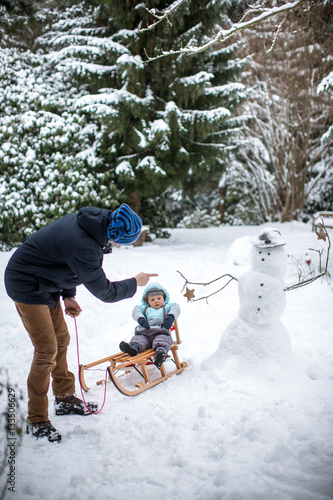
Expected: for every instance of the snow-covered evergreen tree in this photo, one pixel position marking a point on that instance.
(97, 124)
(164, 123)
(47, 165)
(47, 161)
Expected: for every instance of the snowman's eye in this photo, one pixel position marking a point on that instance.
(259, 253)
(269, 253)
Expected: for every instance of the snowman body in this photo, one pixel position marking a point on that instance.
(261, 290)
(257, 333)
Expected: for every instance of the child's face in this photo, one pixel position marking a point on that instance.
(156, 301)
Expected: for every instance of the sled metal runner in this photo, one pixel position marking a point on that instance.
(121, 365)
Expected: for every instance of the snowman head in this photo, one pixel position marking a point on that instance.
(268, 255)
(268, 238)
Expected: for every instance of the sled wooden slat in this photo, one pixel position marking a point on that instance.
(126, 364)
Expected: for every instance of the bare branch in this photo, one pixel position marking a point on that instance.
(318, 177)
(187, 282)
(223, 35)
(217, 291)
(161, 16)
(321, 273)
(277, 32)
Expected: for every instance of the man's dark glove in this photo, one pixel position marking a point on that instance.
(143, 322)
(168, 321)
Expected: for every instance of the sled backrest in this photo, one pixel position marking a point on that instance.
(175, 330)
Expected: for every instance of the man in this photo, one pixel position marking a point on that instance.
(49, 265)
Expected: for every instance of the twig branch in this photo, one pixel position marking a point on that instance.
(321, 273)
(211, 294)
(187, 282)
(223, 35)
(277, 32)
(161, 15)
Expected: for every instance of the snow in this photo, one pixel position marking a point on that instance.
(83, 67)
(143, 142)
(225, 90)
(199, 78)
(125, 168)
(239, 427)
(208, 115)
(159, 126)
(113, 97)
(149, 162)
(129, 60)
(269, 238)
(326, 83)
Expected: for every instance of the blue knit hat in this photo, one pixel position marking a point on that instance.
(124, 225)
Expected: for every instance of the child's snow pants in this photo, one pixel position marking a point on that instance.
(152, 337)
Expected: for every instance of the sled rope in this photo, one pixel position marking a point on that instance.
(78, 360)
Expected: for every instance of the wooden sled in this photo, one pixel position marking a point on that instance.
(123, 366)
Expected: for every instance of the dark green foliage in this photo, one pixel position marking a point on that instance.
(171, 122)
(87, 120)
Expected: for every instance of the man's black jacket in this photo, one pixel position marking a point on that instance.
(61, 256)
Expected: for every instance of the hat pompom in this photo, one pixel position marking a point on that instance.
(124, 225)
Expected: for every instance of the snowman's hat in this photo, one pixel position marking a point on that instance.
(268, 238)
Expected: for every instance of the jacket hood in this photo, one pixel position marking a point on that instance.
(154, 286)
(95, 222)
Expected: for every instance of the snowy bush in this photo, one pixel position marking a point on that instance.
(48, 161)
(201, 218)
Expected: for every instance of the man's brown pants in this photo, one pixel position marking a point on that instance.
(50, 337)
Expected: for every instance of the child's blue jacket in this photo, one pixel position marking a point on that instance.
(155, 317)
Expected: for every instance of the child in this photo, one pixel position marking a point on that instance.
(155, 317)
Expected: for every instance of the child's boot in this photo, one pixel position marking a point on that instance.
(130, 349)
(160, 356)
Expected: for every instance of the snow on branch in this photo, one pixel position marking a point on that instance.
(222, 35)
(160, 16)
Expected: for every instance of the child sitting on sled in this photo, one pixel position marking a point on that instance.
(155, 316)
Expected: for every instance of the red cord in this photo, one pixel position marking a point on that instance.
(106, 376)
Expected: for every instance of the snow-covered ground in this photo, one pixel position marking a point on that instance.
(235, 431)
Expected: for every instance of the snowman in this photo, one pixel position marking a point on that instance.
(257, 335)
